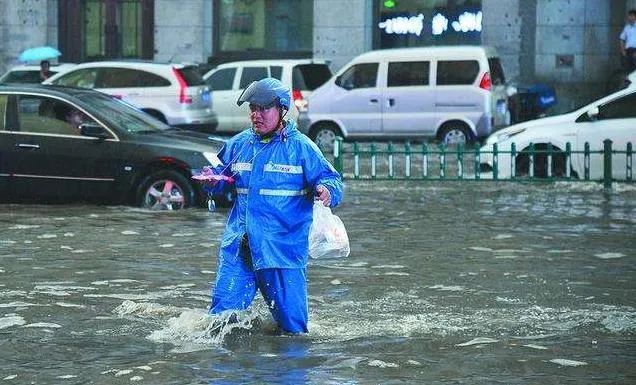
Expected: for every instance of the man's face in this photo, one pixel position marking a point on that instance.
(75, 118)
(264, 119)
(631, 18)
(45, 66)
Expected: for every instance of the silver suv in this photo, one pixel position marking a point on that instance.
(173, 93)
(228, 80)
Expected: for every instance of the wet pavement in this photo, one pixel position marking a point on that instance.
(462, 283)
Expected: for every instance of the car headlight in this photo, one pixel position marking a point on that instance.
(509, 134)
(213, 159)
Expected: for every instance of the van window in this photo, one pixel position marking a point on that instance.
(252, 74)
(276, 72)
(359, 76)
(308, 77)
(410, 73)
(496, 71)
(222, 80)
(457, 72)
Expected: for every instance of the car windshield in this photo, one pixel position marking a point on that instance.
(26, 76)
(122, 114)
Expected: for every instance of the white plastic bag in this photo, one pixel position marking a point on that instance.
(327, 235)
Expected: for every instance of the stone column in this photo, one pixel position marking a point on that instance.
(180, 27)
(507, 27)
(342, 30)
(24, 25)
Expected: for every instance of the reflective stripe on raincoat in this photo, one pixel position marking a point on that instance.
(275, 183)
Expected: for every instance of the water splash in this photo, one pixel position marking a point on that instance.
(199, 327)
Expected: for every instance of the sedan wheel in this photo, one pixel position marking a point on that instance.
(165, 190)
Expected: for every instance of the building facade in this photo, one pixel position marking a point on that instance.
(570, 44)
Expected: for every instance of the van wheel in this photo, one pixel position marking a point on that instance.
(454, 134)
(157, 115)
(324, 135)
(165, 190)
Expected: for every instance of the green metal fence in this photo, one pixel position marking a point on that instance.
(425, 161)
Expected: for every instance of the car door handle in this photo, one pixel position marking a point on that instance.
(391, 102)
(373, 100)
(27, 146)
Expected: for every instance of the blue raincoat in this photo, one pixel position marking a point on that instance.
(275, 182)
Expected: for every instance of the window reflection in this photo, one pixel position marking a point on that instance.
(269, 25)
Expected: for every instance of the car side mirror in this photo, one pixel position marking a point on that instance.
(593, 114)
(93, 130)
(347, 86)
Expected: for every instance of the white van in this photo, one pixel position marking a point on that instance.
(456, 94)
(228, 80)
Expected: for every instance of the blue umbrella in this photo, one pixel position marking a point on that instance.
(38, 53)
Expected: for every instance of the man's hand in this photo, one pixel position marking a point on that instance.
(323, 195)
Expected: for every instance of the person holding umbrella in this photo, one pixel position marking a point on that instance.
(45, 71)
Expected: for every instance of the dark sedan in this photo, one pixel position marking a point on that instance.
(60, 144)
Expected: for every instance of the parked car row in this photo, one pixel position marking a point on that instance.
(65, 141)
(455, 94)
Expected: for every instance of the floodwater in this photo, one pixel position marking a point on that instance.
(458, 283)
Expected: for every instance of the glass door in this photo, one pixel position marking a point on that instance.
(108, 29)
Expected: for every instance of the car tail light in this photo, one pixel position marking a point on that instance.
(299, 101)
(184, 98)
(485, 82)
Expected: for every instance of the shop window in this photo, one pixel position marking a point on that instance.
(421, 23)
(403, 74)
(264, 25)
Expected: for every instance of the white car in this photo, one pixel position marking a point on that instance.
(30, 74)
(631, 79)
(172, 93)
(228, 80)
(612, 117)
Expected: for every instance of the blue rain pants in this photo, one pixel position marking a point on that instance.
(284, 291)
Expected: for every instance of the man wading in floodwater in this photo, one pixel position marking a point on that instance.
(277, 172)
